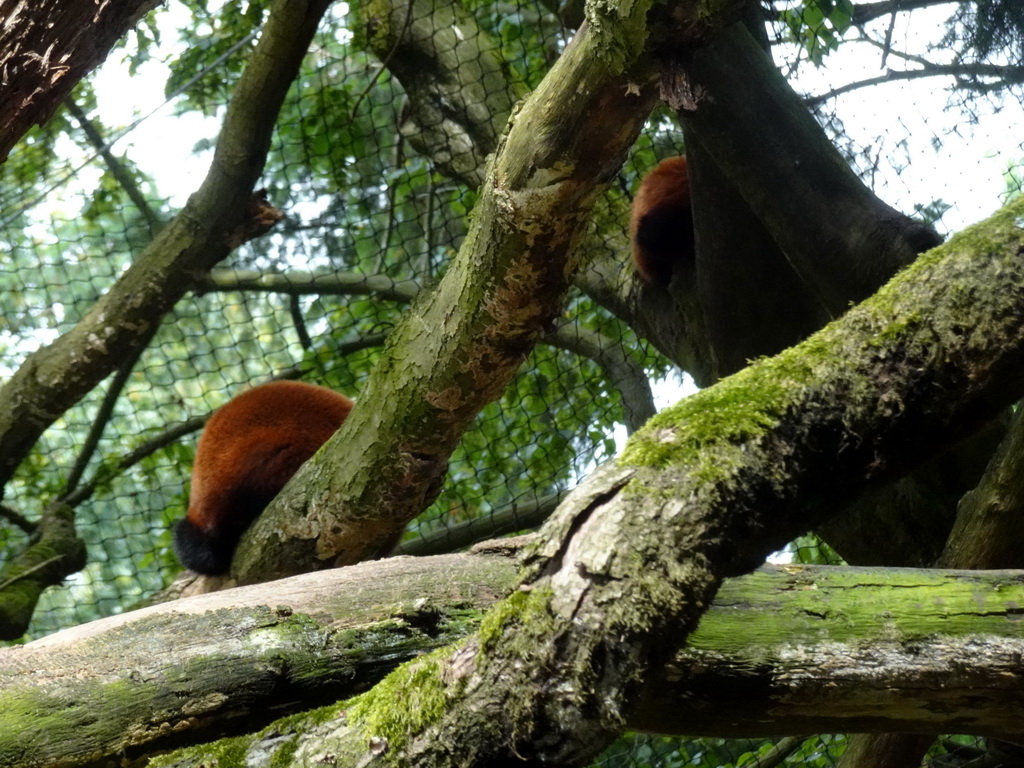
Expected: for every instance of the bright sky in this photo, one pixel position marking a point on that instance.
(945, 156)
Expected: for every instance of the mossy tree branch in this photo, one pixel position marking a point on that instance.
(53, 553)
(706, 490)
(785, 650)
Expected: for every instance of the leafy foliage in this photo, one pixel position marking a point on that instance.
(818, 25)
(986, 30)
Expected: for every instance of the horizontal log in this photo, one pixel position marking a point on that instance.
(785, 650)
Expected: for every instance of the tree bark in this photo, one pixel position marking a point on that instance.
(840, 239)
(759, 664)
(784, 650)
(455, 351)
(46, 47)
(233, 660)
(53, 554)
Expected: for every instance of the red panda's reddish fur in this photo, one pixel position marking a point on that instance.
(661, 225)
(249, 450)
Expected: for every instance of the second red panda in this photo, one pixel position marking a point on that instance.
(661, 225)
(249, 450)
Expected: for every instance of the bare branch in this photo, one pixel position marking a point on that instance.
(623, 372)
(516, 516)
(865, 12)
(296, 283)
(1006, 75)
(115, 166)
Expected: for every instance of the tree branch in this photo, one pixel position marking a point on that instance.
(460, 93)
(57, 376)
(326, 636)
(784, 648)
(627, 376)
(53, 554)
(623, 372)
(17, 519)
(505, 288)
(865, 12)
(102, 417)
(115, 166)
(299, 283)
(1006, 74)
(516, 516)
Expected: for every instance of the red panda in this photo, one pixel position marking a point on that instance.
(250, 448)
(661, 226)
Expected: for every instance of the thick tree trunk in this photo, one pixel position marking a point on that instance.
(787, 235)
(840, 239)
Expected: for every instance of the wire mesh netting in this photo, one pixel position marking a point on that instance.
(373, 213)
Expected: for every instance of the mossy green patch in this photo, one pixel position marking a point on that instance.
(525, 609)
(743, 406)
(404, 703)
(226, 753)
